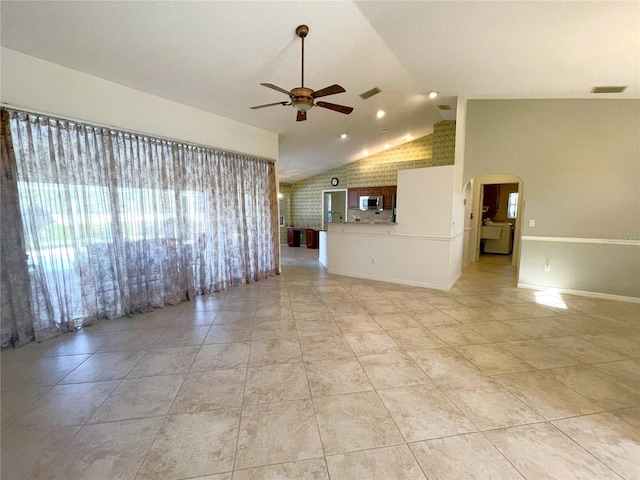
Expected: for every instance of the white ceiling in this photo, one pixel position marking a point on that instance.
(213, 54)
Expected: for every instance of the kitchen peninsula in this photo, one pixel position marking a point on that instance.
(424, 247)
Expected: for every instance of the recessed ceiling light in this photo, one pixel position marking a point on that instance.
(386, 145)
(433, 94)
(409, 136)
(343, 136)
(365, 153)
(380, 113)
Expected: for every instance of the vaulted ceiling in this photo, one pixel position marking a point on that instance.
(213, 55)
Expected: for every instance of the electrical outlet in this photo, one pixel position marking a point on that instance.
(547, 266)
(532, 223)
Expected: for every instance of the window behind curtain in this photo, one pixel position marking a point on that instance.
(512, 205)
(118, 223)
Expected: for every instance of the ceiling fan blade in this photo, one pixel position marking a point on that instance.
(332, 90)
(275, 87)
(337, 108)
(302, 116)
(270, 105)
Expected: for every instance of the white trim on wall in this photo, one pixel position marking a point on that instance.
(421, 237)
(608, 241)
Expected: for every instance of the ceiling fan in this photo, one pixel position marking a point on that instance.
(303, 98)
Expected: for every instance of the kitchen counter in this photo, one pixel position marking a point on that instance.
(371, 223)
(358, 223)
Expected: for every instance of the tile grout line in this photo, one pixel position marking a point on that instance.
(244, 391)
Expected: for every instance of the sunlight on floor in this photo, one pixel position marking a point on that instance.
(550, 298)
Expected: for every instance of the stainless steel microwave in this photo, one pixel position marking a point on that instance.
(375, 202)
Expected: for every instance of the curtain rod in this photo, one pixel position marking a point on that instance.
(54, 116)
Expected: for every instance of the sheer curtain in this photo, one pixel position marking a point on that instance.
(16, 318)
(117, 223)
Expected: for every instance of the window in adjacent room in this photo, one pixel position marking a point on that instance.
(512, 205)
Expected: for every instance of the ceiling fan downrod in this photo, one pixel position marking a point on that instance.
(302, 32)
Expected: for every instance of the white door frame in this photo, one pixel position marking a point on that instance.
(478, 188)
(346, 203)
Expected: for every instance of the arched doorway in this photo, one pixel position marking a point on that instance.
(476, 208)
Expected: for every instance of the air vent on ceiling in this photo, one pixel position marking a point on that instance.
(444, 107)
(608, 89)
(370, 93)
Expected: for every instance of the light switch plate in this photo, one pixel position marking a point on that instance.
(532, 223)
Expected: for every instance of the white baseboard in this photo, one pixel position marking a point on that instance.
(454, 280)
(582, 293)
(399, 281)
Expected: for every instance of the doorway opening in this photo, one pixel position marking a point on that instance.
(334, 206)
(496, 219)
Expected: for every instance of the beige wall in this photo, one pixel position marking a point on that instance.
(34, 84)
(579, 161)
(377, 170)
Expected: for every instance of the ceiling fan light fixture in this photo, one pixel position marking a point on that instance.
(302, 105)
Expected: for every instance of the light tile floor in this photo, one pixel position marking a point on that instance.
(315, 376)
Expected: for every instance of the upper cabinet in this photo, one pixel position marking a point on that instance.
(372, 191)
(388, 193)
(353, 196)
(353, 199)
